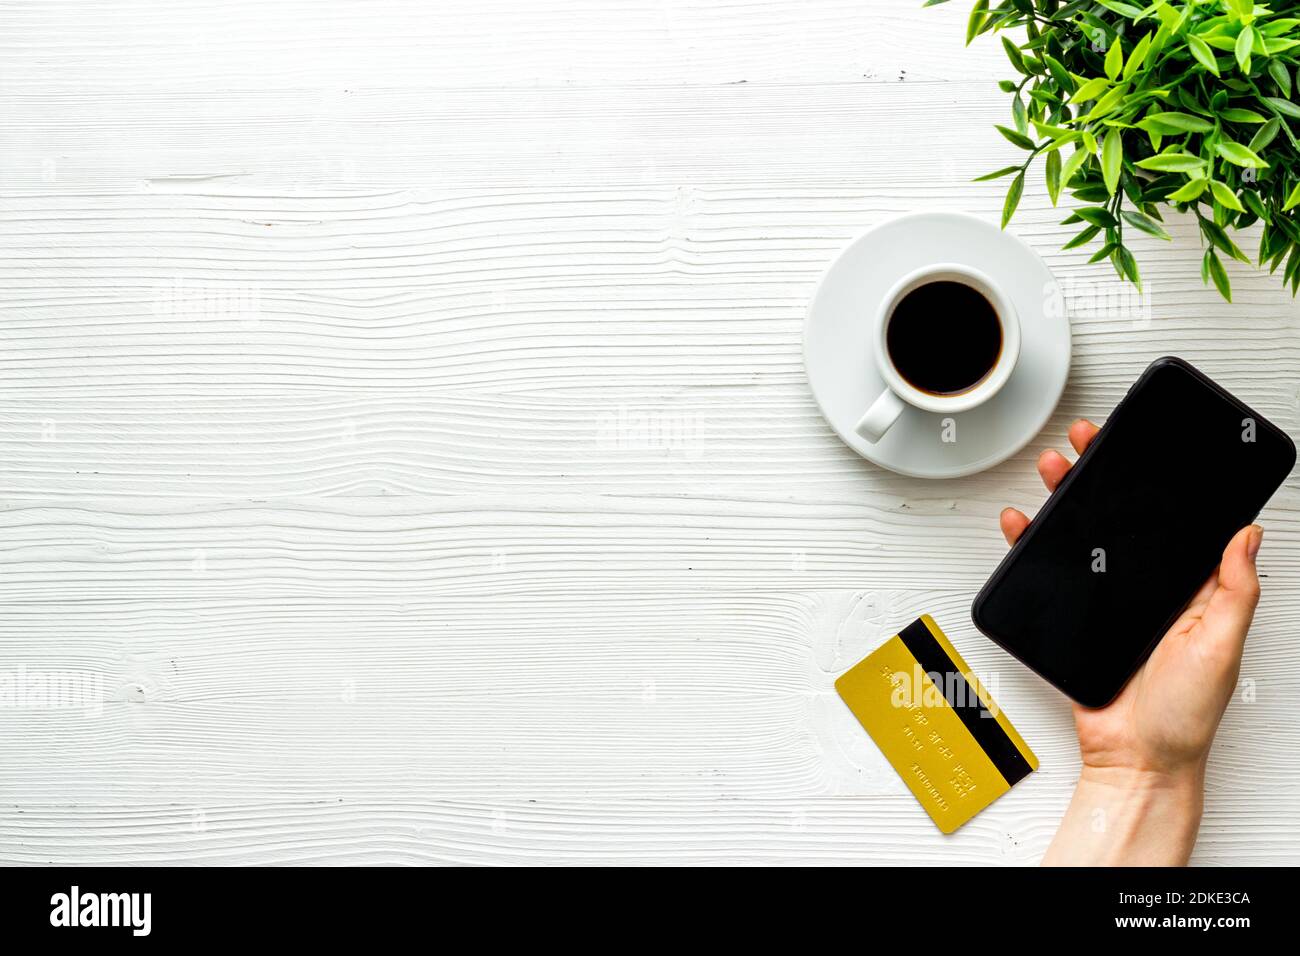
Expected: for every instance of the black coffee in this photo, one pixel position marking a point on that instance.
(944, 337)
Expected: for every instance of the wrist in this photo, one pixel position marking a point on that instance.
(1123, 816)
(1184, 781)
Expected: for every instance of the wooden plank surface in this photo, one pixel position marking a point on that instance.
(402, 413)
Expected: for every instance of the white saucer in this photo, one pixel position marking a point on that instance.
(843, 374)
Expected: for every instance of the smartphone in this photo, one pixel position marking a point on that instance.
(1133, 531)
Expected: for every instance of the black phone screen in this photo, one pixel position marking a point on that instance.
(1133, 531)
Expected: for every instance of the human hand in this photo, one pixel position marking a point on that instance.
(1146, 750)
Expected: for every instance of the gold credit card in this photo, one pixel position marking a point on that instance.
(937, 725)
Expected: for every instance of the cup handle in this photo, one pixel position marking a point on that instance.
(882, 414)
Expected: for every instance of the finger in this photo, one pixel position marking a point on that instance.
(1196, 607)
(1052, 467)
(1082, 433)
(1232, 605)
(1013, 524)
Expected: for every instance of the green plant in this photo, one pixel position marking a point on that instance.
(1184, 104)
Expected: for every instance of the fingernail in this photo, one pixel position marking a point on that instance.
(1255, 540)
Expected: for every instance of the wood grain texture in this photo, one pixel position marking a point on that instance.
(402, 413)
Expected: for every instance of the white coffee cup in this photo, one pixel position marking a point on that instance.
(899, 393)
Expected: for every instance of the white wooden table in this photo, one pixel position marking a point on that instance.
(401, 408)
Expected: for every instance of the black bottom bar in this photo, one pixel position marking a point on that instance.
(347, 906)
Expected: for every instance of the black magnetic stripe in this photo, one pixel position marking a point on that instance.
(988, 733)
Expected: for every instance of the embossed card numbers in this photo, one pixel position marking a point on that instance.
(936, 724)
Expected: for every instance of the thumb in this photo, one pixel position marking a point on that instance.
(1227, 617)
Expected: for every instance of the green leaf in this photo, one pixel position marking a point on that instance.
(1168, 15)
(1114, 61)
(1144, 223)
(1092, 192)
(1219, 41)
(1266, 240)
(1072, 164)
(1016, 139)
(1292, 199)
(1295, 142)
(1239, 155)
(1189, 191)
(1176, 123)
(1053, 172)
(1128, 266)
(1112, 159)
(1291, 274)
(1281, 76)
(1083, 237)
(998, 174)
(1159, 43)
(1123, 9)
(1137, 57)
(1173, 163)
(1061, 142)
(1050, 131)
(1237, 115)
(1097, 216)
(1275, 28)
(1013, 54)
(1090, 90)
(1059, 73)
(1219, 239)
(1216, 272)
(1265, 134)
(1204, 55)
(1285, 107)
(1013, 199)
(1190, 102)
(1107, 102)
(1019, 116)
(1252, 201)
(975, 24)
(1046, 96)
(1226, 196)
(1104, 251)
(1292, 265)
(1245, 39)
